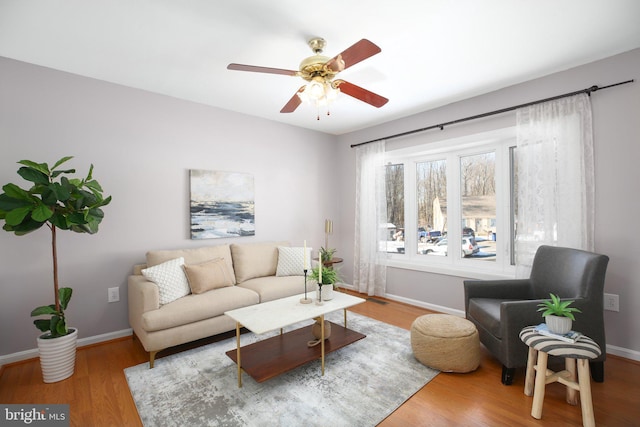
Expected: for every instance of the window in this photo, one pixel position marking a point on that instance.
(458, 210)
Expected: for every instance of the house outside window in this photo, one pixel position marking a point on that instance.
(458, 215)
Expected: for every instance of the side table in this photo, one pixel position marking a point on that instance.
(540, 347)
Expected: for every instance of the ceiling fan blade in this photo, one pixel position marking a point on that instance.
(354, 54)
(361, 94)
(256, 69)
(293, 103)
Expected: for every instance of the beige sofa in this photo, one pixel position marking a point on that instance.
(255, 276)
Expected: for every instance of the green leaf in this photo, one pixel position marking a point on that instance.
(90, 174)
(57, 173)
(42, 167)
(59, 220)
(41, 213)
(62, 193)
(33, 175)
(61, 327)
(64, 294)
(61, 161)
(16, 216)
(42, 324)
(16, 192)
(8, 203)
(94, 185)
(45, 309)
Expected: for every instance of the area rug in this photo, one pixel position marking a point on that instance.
(363, 384)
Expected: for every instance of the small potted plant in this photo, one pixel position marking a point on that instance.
(61, 203)
(326, 255)
(330, 276)
(557, 314)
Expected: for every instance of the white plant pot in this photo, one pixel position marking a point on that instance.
(557, 324)
(327, 292)
(58, 356)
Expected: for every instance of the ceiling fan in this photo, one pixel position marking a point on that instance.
(319, 71)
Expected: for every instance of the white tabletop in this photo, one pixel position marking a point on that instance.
(272, 315)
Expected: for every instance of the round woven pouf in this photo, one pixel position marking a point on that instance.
(446, 343)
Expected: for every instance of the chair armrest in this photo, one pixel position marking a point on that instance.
(496, 289)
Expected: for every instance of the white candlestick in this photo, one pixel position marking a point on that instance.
(304, 254)
(320, 269)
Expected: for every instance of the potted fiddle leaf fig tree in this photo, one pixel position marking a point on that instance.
(61, 202)
(557, 314)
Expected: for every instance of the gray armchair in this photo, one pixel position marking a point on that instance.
(501, 308)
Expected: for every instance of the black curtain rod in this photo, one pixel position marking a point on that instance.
(491, 113)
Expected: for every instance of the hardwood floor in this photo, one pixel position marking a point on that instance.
(99, 396)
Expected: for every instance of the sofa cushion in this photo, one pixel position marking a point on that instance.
(272, 287)
(193, 256)
(291, 261)
(170, 278)
(255, 259)
(195, 307)
(208, 275)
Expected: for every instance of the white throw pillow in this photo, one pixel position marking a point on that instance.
(170, 278)
(291, 261)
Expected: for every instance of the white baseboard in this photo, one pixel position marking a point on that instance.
(428, 306)
(623, 352)
(611, 349)
(33, 353)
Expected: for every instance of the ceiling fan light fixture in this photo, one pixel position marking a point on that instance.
(318, 92)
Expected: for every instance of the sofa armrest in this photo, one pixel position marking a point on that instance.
(143, 296)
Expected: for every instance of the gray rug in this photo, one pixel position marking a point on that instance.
(363, 383)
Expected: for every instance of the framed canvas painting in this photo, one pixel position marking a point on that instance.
(222, 204)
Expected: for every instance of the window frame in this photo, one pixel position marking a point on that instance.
(501, 142)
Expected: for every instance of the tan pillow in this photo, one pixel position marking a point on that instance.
(209, 275)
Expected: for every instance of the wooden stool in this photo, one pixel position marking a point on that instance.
(540, 347)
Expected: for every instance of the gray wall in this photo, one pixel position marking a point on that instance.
(616, 114)
(142, 146)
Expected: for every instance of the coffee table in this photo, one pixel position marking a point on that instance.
(273, 356)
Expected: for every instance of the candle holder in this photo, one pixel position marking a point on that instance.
(319, 301)
(305, 300)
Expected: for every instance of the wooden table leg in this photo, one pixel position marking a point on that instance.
(584, 380)
(531, 373)
(540, 383)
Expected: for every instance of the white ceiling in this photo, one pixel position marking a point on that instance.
(434, 52)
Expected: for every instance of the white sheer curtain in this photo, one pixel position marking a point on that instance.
(370, 272)
(555, 178)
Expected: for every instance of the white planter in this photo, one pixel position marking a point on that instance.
(558, 324)
(327, 292)
(58, 356)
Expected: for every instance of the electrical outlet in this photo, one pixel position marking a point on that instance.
(611, 302)
(114, 294)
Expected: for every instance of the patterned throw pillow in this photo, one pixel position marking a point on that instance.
(291, 261)
(170, 278)
(208, 275)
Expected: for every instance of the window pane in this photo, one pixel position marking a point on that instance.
(478, 191)
(395, 208)
(431, 197)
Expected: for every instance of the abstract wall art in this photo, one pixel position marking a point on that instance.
(222, 204)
